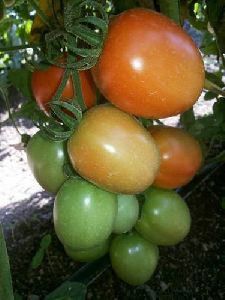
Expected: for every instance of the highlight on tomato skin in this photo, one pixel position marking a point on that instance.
(44, 84)
(181, 156)
(149, 66)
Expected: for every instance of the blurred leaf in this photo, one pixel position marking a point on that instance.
(46, 241)
(68, 290)
(170, 9)
(216, 17)
(6, 289)
(20, 78)
(223, 202)
(38, 258)
(209, 96)
(187, 118)
(219, 110)
(39, 255)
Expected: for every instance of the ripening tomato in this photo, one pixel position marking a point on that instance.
(114, 151)
(44, 84)
(181, 156)
(149, 66)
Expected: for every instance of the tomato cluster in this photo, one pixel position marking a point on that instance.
(154, 71)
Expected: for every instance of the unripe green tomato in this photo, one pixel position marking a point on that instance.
(133, 258)
(89, 254)
(127, 215)
(165, 217)
(83, 214)
(46, 159)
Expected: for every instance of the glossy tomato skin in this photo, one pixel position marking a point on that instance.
(165, 217)
(127, 215)
(111, 149)
(181, 156)
(149, 66)
(83, 214)
(46, 159)
(44, 85)
(89, 254)
(133, 258)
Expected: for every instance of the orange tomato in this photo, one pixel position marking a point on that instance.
(114, 151)
(149, 66)
(181, 156)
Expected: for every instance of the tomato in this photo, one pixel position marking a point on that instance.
(133, 258)
(181, 156)
(127, 215)
(165, 217)
(83, 214)
(88, 254)
(44, 85)
(149, 66)
(113, 150)
(46, 159)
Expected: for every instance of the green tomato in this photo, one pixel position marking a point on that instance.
(165, 217)
(133, 258)
(83, 214)
(88, 254)
(46, 159)
(127, 215)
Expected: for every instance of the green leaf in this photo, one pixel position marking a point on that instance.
(219, 110)
(68, 290)
(37, 259)
(20, 78)
(6, 289)
(46, 241)
(187, 118)
(210, 95)
(170, 9)
(223, 202)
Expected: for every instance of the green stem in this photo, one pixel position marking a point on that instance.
(15, 48)
(6, 100)
(170, 9)
(40, 12)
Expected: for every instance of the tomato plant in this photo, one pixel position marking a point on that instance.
(149, 66)
(88, 254)
(113, 150)
(45, 83)
(165, 217)
(127, 215)
(133, 258)
(83, 214)
(46, 159)
(181, 156)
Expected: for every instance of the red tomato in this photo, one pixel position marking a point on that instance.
(149, 66)
(44, 84)
(181, 156)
